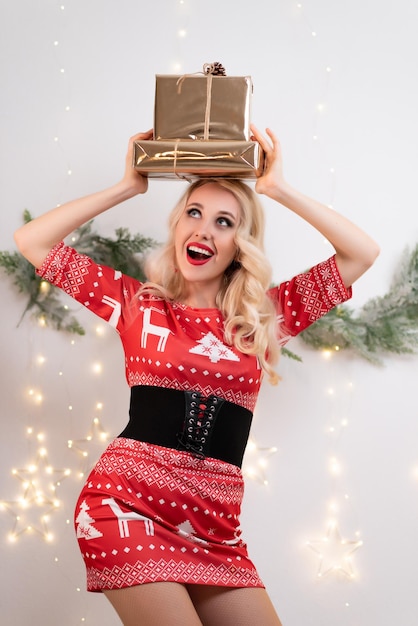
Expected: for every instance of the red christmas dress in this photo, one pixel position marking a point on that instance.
(148, 512)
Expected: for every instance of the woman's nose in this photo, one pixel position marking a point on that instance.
(203, 230)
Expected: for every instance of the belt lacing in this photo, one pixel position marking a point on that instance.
(201, 413)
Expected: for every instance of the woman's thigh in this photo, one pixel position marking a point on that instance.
(154, 604)
(225, 606)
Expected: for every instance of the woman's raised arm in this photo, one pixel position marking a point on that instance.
(355, 250)
(36, 238)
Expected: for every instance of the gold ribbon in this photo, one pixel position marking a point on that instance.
(176, 150)
(208, 70)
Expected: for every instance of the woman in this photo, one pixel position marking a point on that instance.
(158, 518)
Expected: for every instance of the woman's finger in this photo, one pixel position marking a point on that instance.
(268, 146)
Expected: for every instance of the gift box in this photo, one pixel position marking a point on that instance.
(202, 107)
(190, 159)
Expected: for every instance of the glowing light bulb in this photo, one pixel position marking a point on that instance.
(334, 466)
(100, 330)
(333, 507)
(97, 368)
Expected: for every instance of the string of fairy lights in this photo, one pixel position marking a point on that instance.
(38, 481)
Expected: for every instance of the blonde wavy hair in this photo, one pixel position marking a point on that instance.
(249, 316)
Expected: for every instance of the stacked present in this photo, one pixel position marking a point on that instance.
(201, 128)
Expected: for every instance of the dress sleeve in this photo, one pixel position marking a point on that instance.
(307, 297)
(106, 292)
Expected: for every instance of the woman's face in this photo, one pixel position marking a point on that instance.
(205, 235)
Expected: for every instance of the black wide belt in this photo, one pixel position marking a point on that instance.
(188, 420)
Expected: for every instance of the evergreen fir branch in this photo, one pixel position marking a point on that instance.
(385, 325)
(43, 300)
(119, 253)
(291, 355)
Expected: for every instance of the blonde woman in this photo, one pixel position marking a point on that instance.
(158, 518)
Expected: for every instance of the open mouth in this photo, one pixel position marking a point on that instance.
(198, 254)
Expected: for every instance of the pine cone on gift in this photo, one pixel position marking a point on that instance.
(216, 69)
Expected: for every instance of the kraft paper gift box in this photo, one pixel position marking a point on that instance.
(202, 107)
(190, 159)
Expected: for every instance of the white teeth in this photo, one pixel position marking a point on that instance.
(199, 250)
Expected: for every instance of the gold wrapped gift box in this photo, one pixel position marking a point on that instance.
(198, 159)
(200, 107)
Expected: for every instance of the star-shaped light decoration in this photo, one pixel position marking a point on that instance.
(335, 553)
(256, 461)
(83, 447)
(32, 510)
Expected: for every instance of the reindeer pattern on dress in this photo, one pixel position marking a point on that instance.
(124, 517)
(151, 328)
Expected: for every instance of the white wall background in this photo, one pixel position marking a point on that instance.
(363, 113)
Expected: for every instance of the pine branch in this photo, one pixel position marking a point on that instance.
(385, 325)
(43, 300)
(119, 253)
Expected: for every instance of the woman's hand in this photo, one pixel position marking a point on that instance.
(271, 180)
(355, 250)
(133, 180)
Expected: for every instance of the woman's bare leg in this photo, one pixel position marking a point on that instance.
(154, 604)
(223, 606)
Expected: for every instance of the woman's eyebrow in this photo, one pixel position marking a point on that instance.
(231, 215)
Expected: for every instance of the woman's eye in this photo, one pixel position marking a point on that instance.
(193, 212)
(224, 221)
